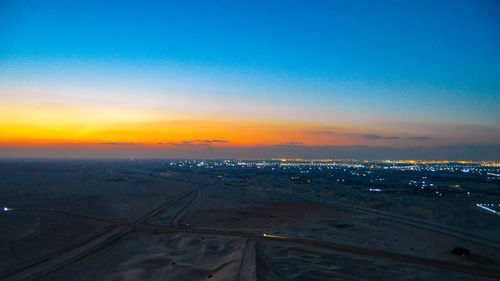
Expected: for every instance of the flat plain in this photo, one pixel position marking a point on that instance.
(224, 220)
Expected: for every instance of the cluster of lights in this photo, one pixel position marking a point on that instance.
(362, 167)
(355, 168)
(423, 184)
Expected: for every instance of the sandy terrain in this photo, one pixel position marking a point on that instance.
(138, 220)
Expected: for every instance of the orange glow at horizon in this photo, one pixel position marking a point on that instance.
(53, 125)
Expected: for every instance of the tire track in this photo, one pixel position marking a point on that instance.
(51, 264)
(410, 221)
(375, 253)
(175, 220)
(69, 214)
(47, 257)
(266, 270)
(248, 267)
(58, 261)
(447, 230)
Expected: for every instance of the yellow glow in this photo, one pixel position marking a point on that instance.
(53, 123)
(32, 125)
(274, 236)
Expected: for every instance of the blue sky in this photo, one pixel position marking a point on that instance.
(446, 50)
(412, 61)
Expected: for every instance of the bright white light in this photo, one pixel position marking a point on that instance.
(487, 209)
(5, 209)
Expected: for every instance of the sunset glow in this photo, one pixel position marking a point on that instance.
(332, 82)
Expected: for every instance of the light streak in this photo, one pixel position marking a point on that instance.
(273, 236)
(487, 209)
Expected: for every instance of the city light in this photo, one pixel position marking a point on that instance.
(483, 206)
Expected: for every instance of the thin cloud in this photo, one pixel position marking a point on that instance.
(377, 137)
(366, 136)
(328, 133)
(194, 143)
(210, 141)
(118, 143)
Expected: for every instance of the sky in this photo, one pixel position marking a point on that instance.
(250, 79)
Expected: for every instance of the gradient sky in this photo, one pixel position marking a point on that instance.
(250, 78)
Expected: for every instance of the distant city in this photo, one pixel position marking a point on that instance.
(376, 175)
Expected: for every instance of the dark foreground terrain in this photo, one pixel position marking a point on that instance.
(229, 220)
